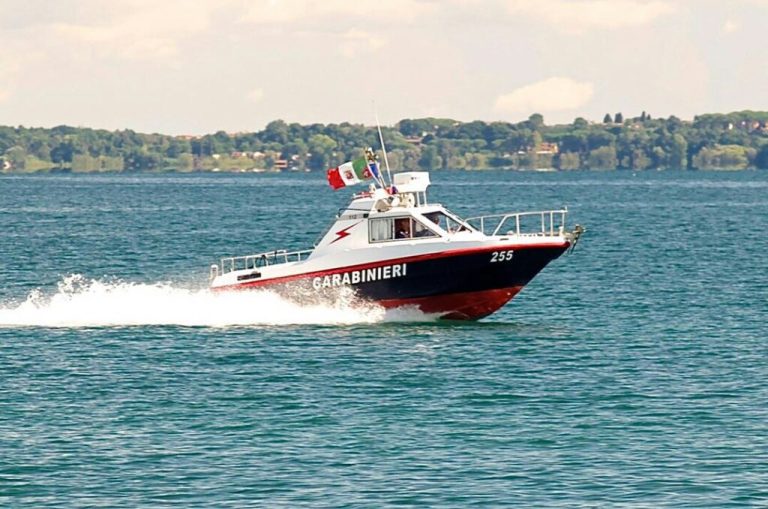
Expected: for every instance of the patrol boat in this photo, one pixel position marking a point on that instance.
(395, 248)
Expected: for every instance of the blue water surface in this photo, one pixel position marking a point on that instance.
(631, 373)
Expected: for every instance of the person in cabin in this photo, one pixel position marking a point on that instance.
(423, 231)
(403, 228)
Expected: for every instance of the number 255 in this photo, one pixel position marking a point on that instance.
(502, 256)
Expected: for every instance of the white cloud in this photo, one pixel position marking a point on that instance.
(10, 68)
(143, 29)
(578, 16)
(63, 61)
(550, 95)
(730, 26)
(256, 95)
(356, 42)
(364, 11)
(116, 40)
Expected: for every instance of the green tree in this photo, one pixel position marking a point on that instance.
(185, 163)
(221, 143)
(39, 148)
(476, 161)
(536, 121)
(761, 159)
(535, 141)
(568, 161)
(321, 148)
(599, 138)
(517, 140)
(64, 152)
(270, 158)
(85, 163)
(176, 147)
(640, 159)
(496, 131)
(678, 151)
(575, 141)
(722, 157)
(659, 158)
(673, 124)
(580, 123)
(430, 159)
(17, 156)
(277, 132)
(395, 158)
(298, 148)
(410, 159)
(603, 158)
(448, 154)
(527, 161)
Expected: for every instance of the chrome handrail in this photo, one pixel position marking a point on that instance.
(265, 259)
(549, 226)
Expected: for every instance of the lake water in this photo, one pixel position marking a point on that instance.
(631, 373)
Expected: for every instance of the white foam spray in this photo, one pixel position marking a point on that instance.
(82, 302)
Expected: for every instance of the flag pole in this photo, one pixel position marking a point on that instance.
(370, 157)
(383, 147)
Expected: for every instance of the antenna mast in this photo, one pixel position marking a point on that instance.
(383, 147)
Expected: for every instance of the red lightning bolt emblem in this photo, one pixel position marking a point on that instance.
(344, 233)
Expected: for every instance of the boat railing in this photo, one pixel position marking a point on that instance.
(539, 223)
(259, 260)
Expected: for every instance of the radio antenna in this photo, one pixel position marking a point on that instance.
(383, 147)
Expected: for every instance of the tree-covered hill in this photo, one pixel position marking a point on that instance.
(731, 141)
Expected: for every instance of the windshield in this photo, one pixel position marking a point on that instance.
(397, 228)
(448, 222)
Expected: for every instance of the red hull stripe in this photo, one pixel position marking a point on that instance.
(459, 306)
(392, 261)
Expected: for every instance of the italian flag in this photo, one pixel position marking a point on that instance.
(349, 174)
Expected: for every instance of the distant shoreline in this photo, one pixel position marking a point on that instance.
(286, 173)
(733, 141)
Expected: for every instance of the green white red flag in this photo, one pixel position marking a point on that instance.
(349, 174)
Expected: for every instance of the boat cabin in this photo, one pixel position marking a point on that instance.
(401, 213)
(400, 220)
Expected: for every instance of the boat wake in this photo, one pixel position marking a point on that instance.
(82, 302)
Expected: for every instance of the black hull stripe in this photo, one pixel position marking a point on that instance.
(553, 251)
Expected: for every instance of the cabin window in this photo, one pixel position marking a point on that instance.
(403, 228)
(421, 231)
(446, 222)
(380, 229)
(398, 228)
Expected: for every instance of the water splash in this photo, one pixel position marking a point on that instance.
(82, 302)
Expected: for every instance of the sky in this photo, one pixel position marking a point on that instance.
(201, 66)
